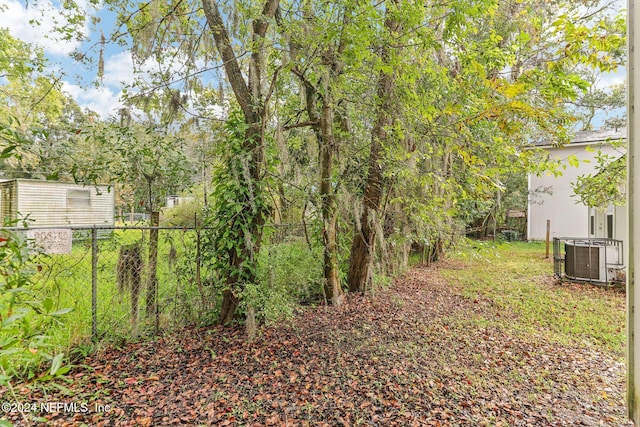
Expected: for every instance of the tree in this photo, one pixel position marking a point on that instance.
(597, 100)
(36, 108)
(145, 156)
(607, 185)
(19, 60)
(249, 94)
(419, 112)
(317, 43)
(363, 246)
(187, 39)
(492, 80)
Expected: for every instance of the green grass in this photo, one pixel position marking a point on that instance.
(513, 280)
(65, 281)
(516, 279)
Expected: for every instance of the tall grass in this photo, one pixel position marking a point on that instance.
(66, 281)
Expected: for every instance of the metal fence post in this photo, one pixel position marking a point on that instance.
(94, 283)
(152, 283)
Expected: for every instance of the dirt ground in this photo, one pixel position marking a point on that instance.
(416, 354)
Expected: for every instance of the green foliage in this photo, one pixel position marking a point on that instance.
(18, 60)
(473, 83)
(238, 207)
(465, 120)
(59, 281)
(289, 274)
(42, 119)
(607, 185)
(611, 100)
(24, 315)
(147, 161)
(189, 213)
(12, 138)
(188, 297)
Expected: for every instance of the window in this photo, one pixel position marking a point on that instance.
(592, 225)
(78, 198)
(610, 226)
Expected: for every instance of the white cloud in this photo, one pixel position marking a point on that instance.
(18, 18)
(118, 69)
(102, 100)
(614, 78)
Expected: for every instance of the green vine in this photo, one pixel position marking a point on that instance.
(238, 210)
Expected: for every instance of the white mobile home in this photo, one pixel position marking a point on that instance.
(53, 203)
(551, 198)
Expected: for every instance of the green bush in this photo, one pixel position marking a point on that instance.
(24, 315)
(289, 274)
(186, 214)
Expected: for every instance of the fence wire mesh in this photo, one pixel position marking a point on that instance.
(119, 283)
(116, 286)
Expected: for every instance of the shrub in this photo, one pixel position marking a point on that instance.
(289, 274)
(24, 315)
(186, 214)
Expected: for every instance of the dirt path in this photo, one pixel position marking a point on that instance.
(416, 354)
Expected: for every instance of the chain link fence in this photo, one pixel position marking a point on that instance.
(120, 282)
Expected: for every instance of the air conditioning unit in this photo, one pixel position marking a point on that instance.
(590, 260)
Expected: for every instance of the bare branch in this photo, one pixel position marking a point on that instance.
(301, 124)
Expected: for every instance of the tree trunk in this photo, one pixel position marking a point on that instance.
(363, 245)
(229, 307)
(249, 96)
(322, 124)
(333, 290)
(360, 276)
(249, 243)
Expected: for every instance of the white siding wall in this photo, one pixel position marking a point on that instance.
(620, 224)
(551, 198)
(47, 204)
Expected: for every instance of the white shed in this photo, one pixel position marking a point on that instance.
(54, 203)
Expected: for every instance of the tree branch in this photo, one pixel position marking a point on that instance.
(301, 124)
(231, 66)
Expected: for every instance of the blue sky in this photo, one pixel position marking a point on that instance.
(76, 78)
